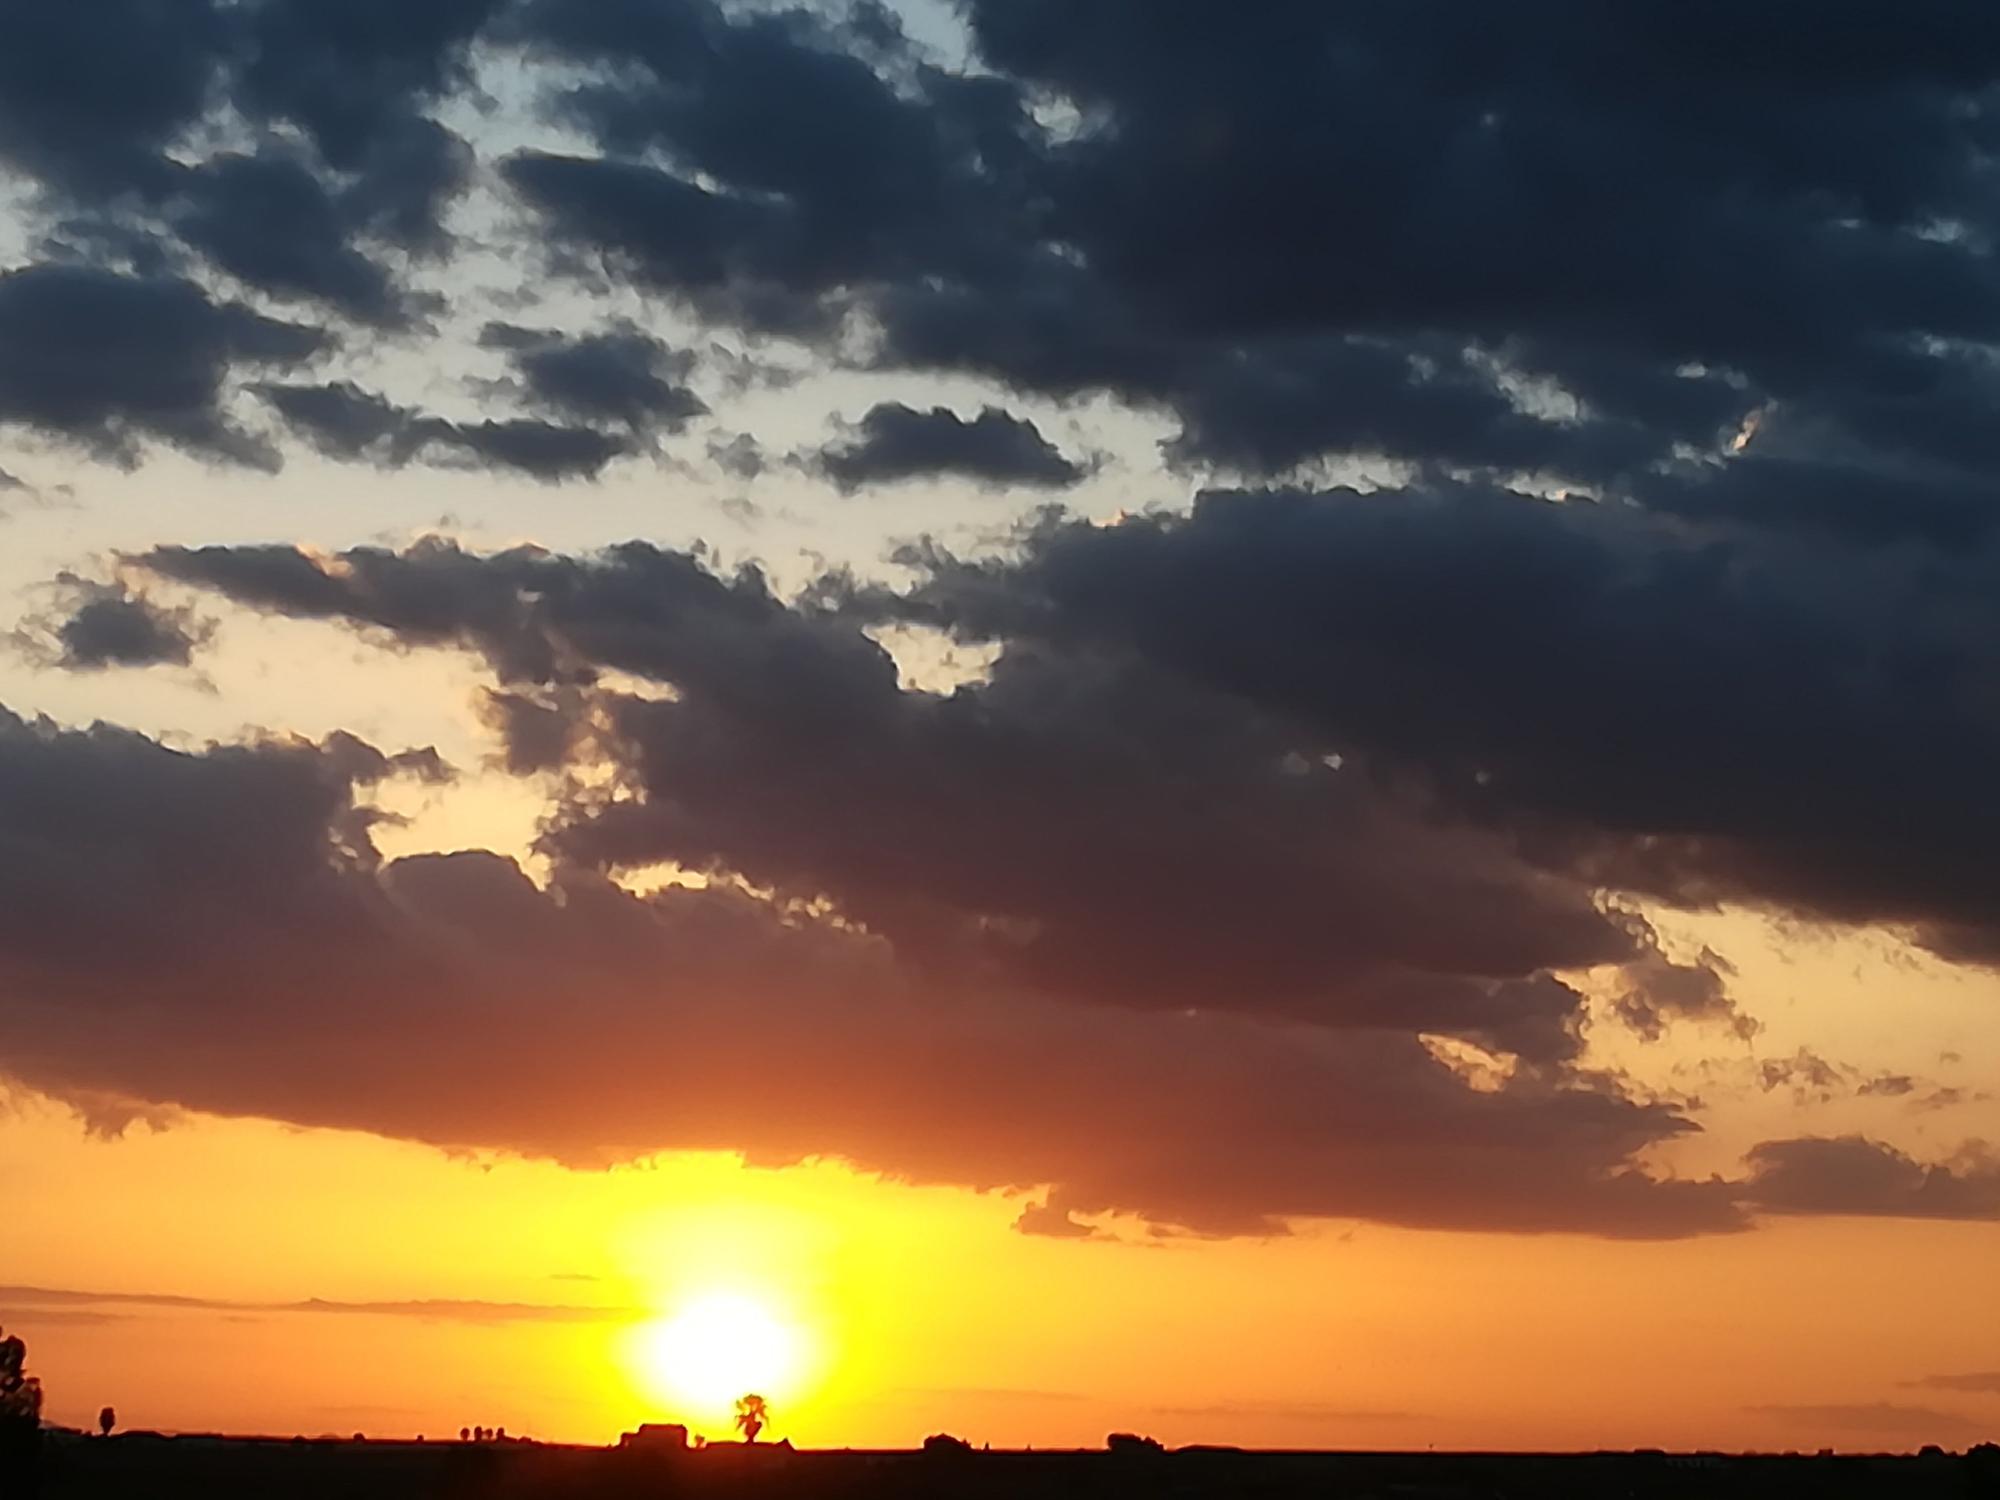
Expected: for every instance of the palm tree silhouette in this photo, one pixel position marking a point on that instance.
(752, 1413)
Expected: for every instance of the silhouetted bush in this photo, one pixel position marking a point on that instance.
(1132, 1443)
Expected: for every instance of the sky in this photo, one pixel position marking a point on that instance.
(1268, 724)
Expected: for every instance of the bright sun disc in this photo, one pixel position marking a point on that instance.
(716, 1348)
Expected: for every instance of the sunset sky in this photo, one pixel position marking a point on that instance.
(1272, 723)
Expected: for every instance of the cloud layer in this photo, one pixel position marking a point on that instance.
(1593, 506)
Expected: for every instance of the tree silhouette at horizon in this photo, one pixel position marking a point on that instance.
(20, 1392)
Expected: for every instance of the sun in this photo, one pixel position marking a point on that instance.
(713, 1349)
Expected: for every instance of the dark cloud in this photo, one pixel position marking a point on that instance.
(548, 451)
(355, 76)
(107, 112)
(1267, 411)
(839, 176)
(1051, 1220)
(1852, 1175)
(1634, 701)
(895, 442)
(359, 763)
(106, 360)
(662, 232)
(112, 629)
(90, 97)
(1661, 991)
(1039, 822)
(1315, 234)
(270, 221)
(1333, 171)
(537, 733)
(103, 625)
(1320, 232)
(271, 964)
(343, 420)
(623, 376)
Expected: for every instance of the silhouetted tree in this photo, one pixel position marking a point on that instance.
(20, 1422)
(20, 1392)
(944, 1445)
(106, 1420)
(753, 1413)
(465, 1434)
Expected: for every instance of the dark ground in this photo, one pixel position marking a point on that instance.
(144, 1465)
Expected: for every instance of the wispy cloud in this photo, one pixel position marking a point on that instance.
(62, 1317)
(1887, 1418)
(993, 1393)
(1985, 1381)
(1290, 1411)
(41, 1300)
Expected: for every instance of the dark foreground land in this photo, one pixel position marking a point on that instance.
(143, 1465)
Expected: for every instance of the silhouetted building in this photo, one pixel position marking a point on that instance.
(656, 1437)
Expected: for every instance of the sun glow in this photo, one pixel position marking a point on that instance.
(715, 1348)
